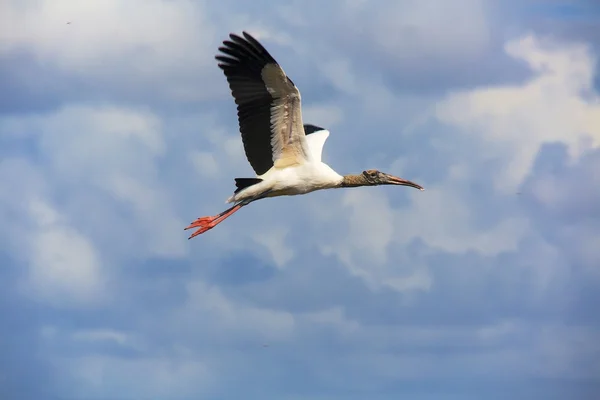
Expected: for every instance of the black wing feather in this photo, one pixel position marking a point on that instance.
(242, 60)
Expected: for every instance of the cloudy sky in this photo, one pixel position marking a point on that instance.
(117, 129)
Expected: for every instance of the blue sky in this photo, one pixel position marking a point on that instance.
(118, 129)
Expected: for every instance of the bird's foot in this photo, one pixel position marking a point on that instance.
(206, 223)
(203, 224)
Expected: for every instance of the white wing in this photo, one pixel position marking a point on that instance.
(316, 141)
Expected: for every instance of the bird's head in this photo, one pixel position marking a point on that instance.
(372, 177)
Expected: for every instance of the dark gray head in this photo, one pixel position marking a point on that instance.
(372, 177)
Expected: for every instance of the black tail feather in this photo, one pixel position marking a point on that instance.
(310, 128)
(243, 183)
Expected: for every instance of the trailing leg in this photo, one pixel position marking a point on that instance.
(207, 223)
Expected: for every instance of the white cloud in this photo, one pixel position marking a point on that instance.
(419, 279)
(442, 218)
(115, 151)
(371, 225)
(274, 240)
(412, 31)
(373, 244)
(64, 266)
(150, 46)
(324, 115)
(154, 30)
(431, 27)
(204, 163)
(510, 123)
(364, 240)
(106, 158)
(340, 74)
(557, 104)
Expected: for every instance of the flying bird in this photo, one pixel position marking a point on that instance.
(284, 152)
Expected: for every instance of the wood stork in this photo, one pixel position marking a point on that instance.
(284, 152)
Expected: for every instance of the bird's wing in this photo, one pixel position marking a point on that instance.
(316, 137)
(268, 104)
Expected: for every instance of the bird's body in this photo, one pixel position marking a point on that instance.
(306, 177)
(299, 179)
(284, 152)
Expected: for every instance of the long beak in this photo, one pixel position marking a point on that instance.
(394, 180)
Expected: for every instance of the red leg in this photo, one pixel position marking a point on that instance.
(207, 223)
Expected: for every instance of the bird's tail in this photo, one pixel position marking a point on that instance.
(241, 184)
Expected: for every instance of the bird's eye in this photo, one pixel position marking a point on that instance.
(370, 174)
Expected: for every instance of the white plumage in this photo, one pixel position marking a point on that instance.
(308, 175)
(316, 141)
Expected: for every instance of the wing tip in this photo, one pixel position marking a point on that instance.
(244, 48)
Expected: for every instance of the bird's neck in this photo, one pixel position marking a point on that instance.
(353, 181)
